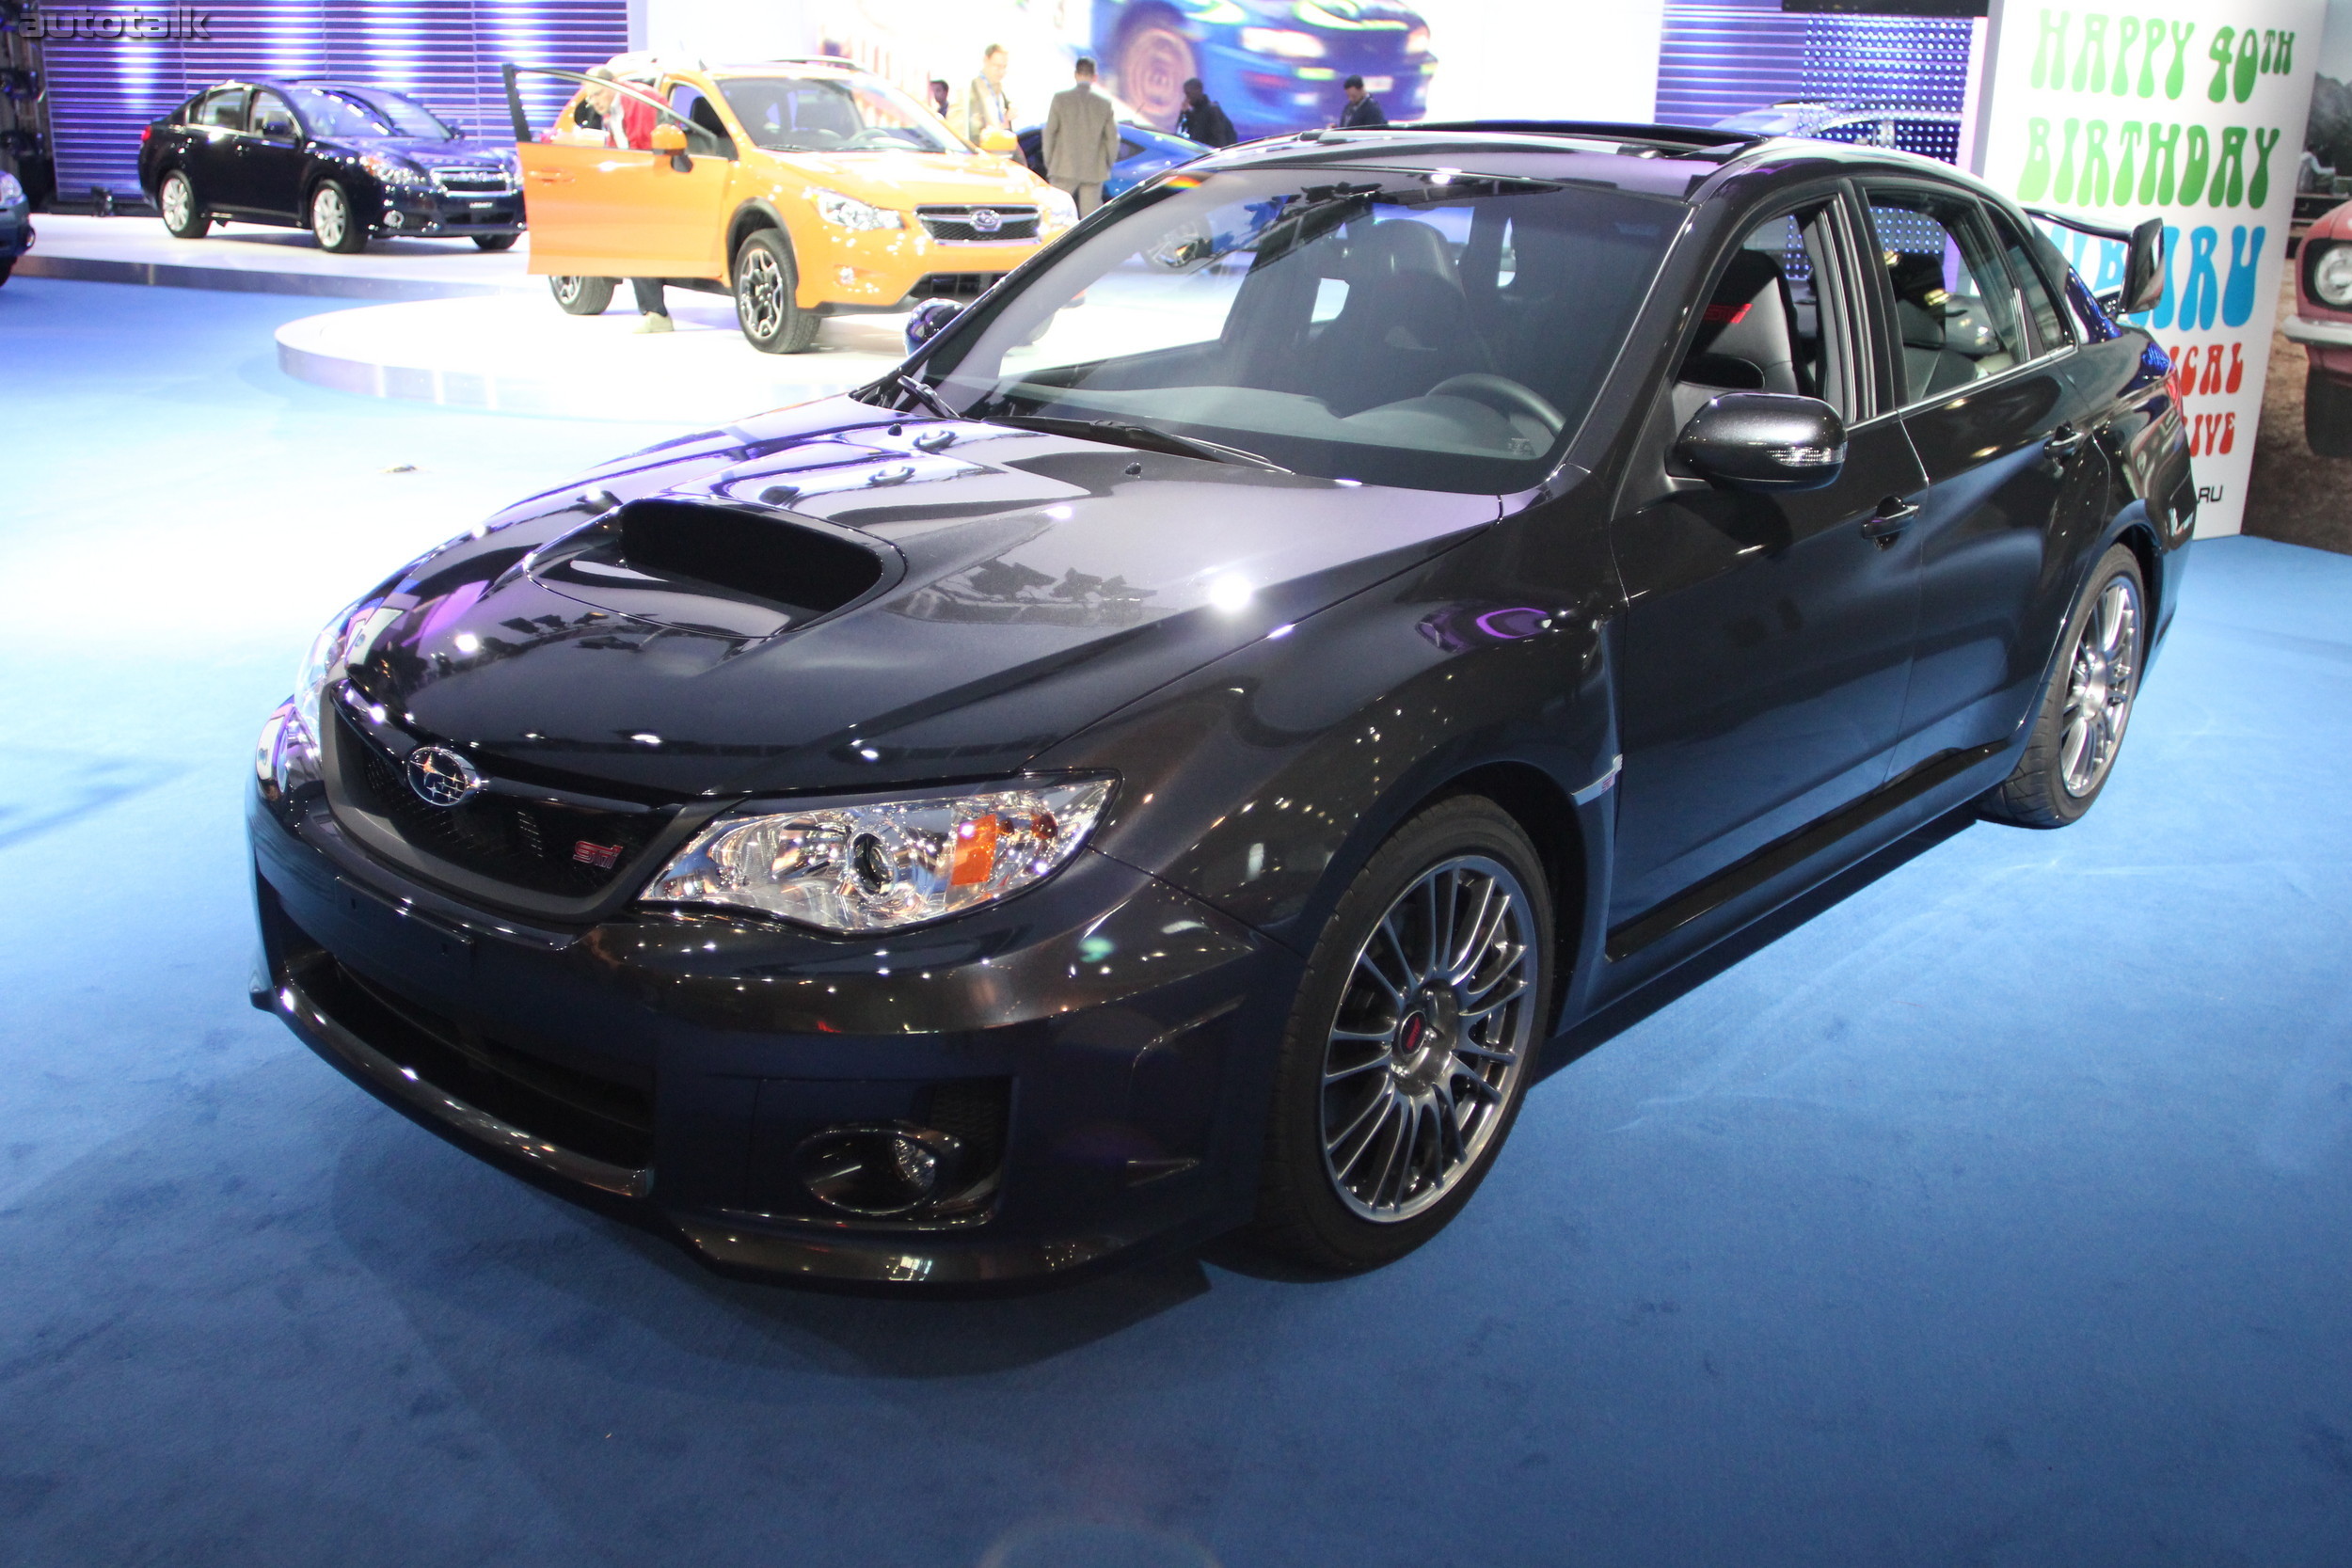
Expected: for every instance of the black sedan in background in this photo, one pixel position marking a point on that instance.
(1168, 766)
(348, 163)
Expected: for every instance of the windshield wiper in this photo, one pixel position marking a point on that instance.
(920, 391)
(1142, 436)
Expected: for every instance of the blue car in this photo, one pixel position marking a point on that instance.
(1274, 66)
(1142, 153)
(16, 223)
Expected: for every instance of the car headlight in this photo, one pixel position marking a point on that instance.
(286, 757)
(10, 191)
(392, 172)
(884, 864)
(2331, 277)
(1286, 43)
(847, 212)
(1059, 207)
(1417, 44)
(340, 642)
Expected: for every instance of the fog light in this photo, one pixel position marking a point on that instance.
(876, 1169)
(393, 220)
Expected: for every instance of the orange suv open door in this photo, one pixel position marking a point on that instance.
(619, 186)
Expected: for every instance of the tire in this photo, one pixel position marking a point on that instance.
(333, 223)
(494, 242)
(1359, 1065)
(766, 283)
(2326, 415)
(2079, 728)
(185, 217)
(1155, 59)
(581, 296)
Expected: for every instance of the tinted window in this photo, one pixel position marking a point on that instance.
(1762, 329)
(1367, 324)
(223, 107)
(2042, 312)
(1955, 313)
(705, 131)
(266, 107)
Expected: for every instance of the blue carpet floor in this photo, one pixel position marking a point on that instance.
(1995, 1214)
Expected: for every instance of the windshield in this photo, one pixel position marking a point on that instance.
(790, 114)
(341, 112)
(1433, 329)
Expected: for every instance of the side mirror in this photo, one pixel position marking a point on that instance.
(1764, 441)
(929, 318)
(2143, 273)
(277, 127)
(1000, 141)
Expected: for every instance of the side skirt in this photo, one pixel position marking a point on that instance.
(1784, 855)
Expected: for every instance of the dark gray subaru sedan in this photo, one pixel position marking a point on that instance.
(1167, 758)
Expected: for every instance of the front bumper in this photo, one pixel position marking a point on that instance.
(2327, 339)
(1268, 96)
(666, 1068)
(891, 269)
(413, 209)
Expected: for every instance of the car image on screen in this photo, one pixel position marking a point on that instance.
(1276, 66)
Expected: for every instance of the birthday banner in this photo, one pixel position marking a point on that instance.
(2193, 113)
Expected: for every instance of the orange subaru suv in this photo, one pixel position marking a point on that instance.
(805, 188)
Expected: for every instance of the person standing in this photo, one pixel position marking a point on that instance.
(939, 98)
(986, 108)
(1081, 140)
(1202, 120)
(1363, 111)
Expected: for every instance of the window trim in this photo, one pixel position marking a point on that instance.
(1863, 186)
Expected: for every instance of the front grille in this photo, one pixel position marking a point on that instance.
(473, 182)
(570, 851)
(955, 226)
(975, 1110)
(954, 285)
(586, 1113)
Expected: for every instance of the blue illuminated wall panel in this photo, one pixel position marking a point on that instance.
(1723, 57)
(446, 52)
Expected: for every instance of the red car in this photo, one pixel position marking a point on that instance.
(2323, 324)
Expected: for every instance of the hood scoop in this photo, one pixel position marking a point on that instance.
(731, 571)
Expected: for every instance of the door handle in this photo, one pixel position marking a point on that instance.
(1893, 516)
(2065, 441)
(552, 177)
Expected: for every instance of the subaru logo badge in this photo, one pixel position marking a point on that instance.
(440, 777)
(986, 220)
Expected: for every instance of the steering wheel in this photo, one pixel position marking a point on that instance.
(1503, 395)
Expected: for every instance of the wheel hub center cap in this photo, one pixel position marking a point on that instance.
(1425, 1039)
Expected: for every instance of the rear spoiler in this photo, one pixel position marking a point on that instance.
(2143, 259)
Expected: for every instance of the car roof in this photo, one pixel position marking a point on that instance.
(1678, 161)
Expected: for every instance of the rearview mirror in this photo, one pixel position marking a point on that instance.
(999, 140)
(1764, 441)
(928, 319)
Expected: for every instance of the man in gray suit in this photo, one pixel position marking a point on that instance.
(1081, 141)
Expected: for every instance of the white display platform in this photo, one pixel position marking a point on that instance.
(253, 258)
(520, 354)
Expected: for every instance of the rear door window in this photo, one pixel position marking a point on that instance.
(1956, 318)
(2042, 312)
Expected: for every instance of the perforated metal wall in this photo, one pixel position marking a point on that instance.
(445, 52)
(1724, 58)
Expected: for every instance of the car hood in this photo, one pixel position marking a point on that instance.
(425, 151)
(890, 179)
(833, 599)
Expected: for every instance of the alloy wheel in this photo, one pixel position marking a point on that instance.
(330, 217)
(1432, 1034)
(567, 290)
(179, 201)
(759, 293)
(2100, 688)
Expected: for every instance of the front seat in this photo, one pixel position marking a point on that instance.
(1405, 325)
(1745, 342)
